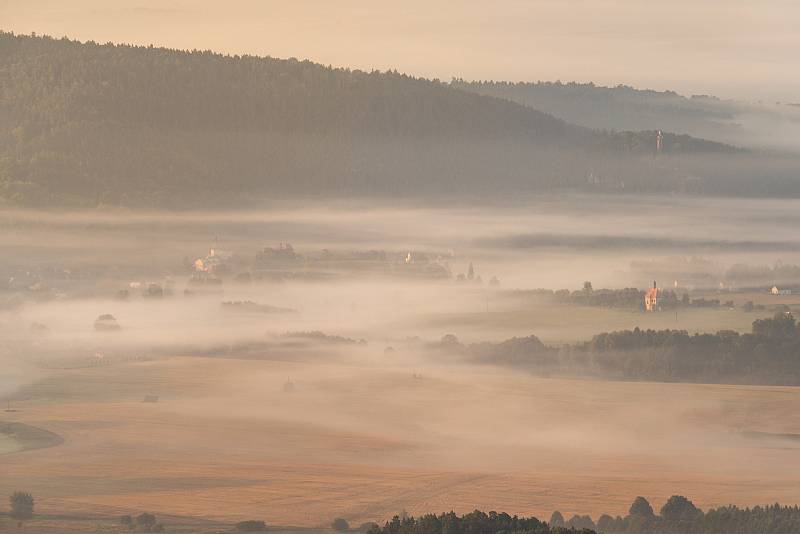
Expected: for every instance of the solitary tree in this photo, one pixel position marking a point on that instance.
(556, 520)
(21, 505)
(340, 524)
(641, 507)
(581, 522)
(605, 523)
(679, 508)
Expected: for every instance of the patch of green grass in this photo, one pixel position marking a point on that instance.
(16, 437)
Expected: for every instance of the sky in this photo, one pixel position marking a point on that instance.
(743, 49)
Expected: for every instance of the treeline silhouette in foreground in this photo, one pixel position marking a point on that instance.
(769, 354)
(678, 516)
(88, 124)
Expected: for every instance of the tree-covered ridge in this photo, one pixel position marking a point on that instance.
(770, 354)
(67, 80)
(52, 81)
(621, 107)
(88, 123)
(626, 108)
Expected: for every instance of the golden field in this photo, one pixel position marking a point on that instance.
(364, 441)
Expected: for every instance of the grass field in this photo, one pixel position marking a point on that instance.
(364, 442)
(16, 437)
(563, 323)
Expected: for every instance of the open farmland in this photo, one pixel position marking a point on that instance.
(318, 395)
(263, 270)
(225, 442)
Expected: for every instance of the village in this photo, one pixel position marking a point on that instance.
(212, 272)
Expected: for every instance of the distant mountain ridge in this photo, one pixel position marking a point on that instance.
(626, 108)
(83, 123)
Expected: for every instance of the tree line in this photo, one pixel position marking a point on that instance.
(678, 515)
(629, 297)
(769, 354)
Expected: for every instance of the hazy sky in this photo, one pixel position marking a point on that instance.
(732, 48)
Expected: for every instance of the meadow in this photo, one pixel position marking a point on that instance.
(225, 442)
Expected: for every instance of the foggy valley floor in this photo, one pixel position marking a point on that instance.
(347, 268)
(306, 390)
(226, 442)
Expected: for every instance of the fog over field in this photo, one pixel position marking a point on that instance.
(81, 260)
(352, 268)
(327, 378)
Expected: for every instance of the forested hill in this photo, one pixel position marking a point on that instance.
(54, 81)
(626, 108)
(82, 123)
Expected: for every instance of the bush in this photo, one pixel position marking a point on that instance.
(126, 520)
(251, 526)
(146, 520)
(340, 524)
(21, 505)
(369, 525)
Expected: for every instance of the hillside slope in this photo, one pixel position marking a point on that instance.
(774, 125)
(82, 123)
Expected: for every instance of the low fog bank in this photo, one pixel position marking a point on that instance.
(528, 243)
(302, 395)
(207, 280)
(336, 334)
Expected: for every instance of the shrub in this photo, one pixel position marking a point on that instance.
(251, 526)
(146, 520)
(126, 520)
(340, 524)
(21, 505)
(369, 525)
